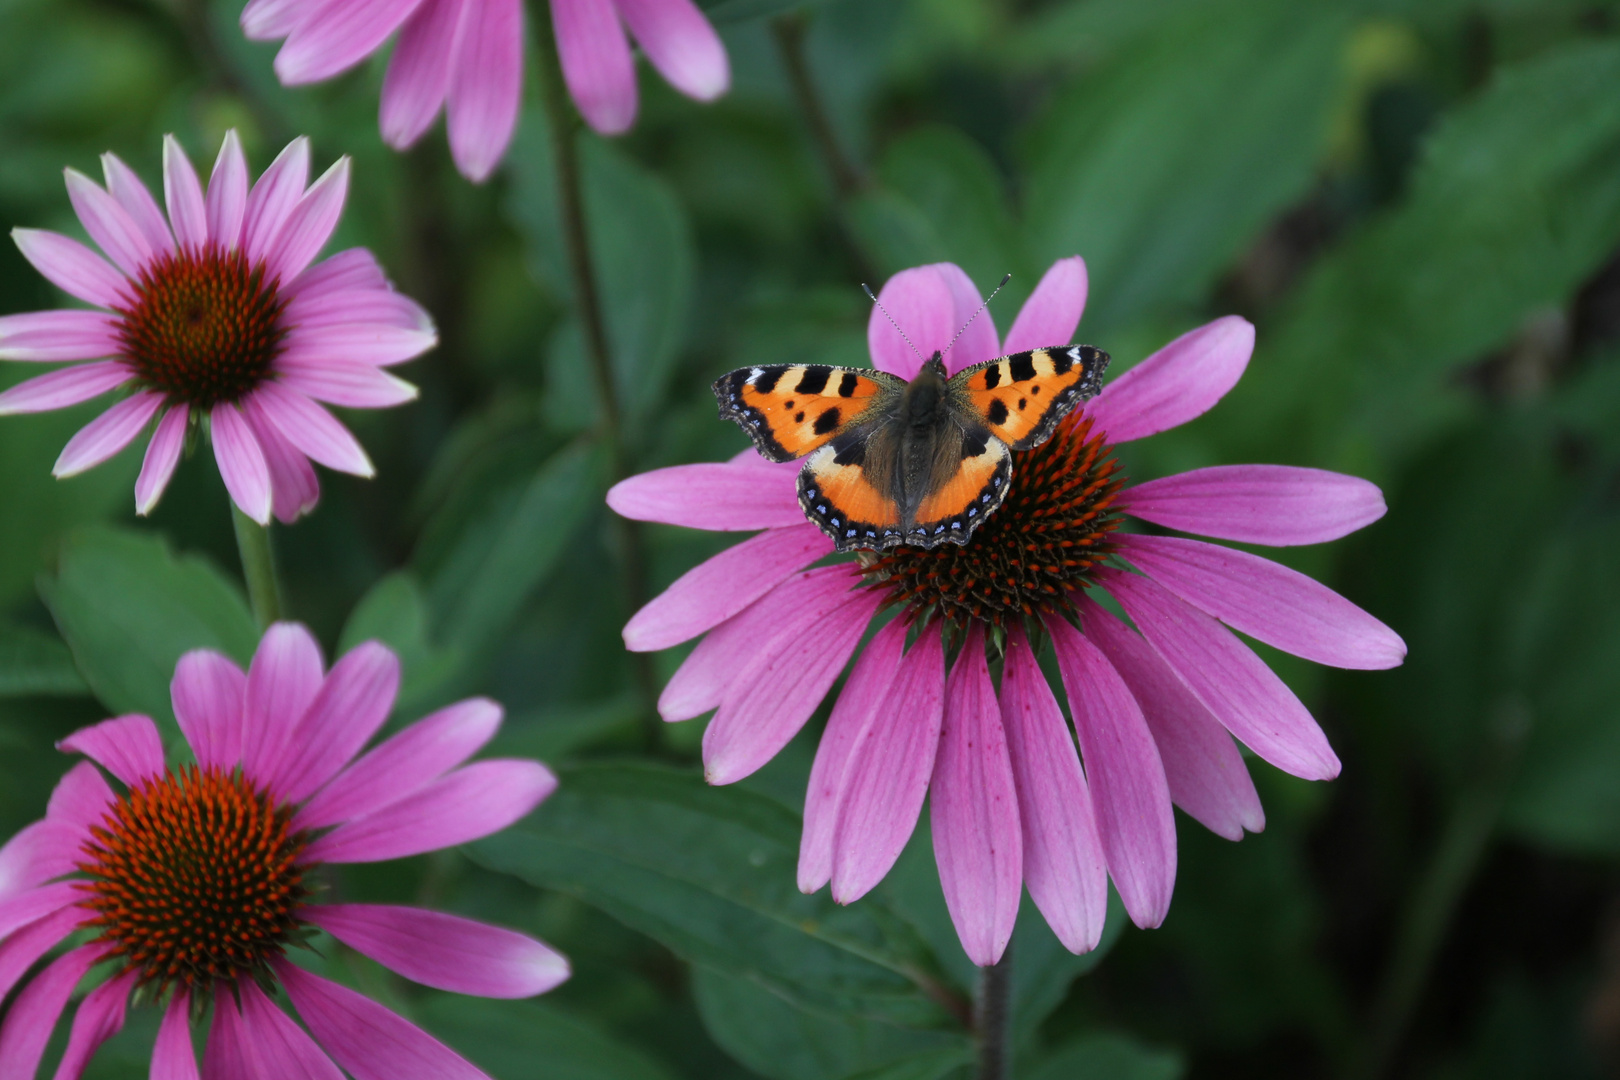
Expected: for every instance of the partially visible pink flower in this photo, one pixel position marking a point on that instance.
(1019, 797)
(466, 57)
(188, 883)
(214, 317)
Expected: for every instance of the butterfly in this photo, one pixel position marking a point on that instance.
(923, 463)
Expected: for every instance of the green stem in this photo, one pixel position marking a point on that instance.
(993, 1017)
(258, 567)
(847, 178)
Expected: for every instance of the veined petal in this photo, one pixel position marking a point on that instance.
(100, 1017)
(351, 384)
(339, 304)
(224, 1056)
(721, 496)
(272, 20)
(182, 191)
(335, 37)
(162, 455)
(228, 193)
(33, 1015)
(353, 703)
(932, 303)
(69, 386)
(309, 224)
(81, 798)
(31, 905)
(486, 87)
(1052, 312)
(126, 746)
(209, 693)
(418, 78)
(107, 434)
(294, 488)
(108, 224)
(73, 268)
(313, 430)
(55, 336)
(351, 268)
(275, 1045)
(38, 852)
(22, 950)
(284, 678)
(274, 195)
(1181, 381)
(681, 44)
(126, 188)
(1277, 505)
(241, 462)
(172, 1055)
(368, 343)
(596, 63)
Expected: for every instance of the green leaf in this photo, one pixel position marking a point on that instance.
(1161, 164)
(129, 607)
(709, 872)
(1109, 1057)
(36, 664)
(530, 1040)
(929, 1065)
(395, 613)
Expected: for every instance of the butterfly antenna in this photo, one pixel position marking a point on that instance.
(892, 323)
(976, 314)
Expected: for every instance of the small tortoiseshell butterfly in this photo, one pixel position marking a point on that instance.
(919, 463)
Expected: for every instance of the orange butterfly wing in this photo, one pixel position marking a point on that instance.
(840, 497)
(790, 410)
(1021, 398)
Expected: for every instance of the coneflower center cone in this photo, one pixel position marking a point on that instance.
(195, 877)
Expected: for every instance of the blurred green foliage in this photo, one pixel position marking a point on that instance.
(1418, 203)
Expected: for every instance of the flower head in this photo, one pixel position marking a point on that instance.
(466, 57)
(1155, 705)
(189, 883)
(214, 316)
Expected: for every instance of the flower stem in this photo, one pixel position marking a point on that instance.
(258, 567)
(847, 178)
(992, 1017)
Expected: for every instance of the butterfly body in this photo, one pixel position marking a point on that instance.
(921, 463)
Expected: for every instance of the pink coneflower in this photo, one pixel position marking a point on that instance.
(1155, 706)
(466, 57)
(189, 883)
(213, 317)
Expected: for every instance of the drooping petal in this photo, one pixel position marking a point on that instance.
(335, 37)
(351, 706)
(33, 1015)
(183, 193)
(596, 63)
(486, 87)
(209, 693)
(126, 746)
(274, 1044)
(1244, 694)
(352, 384)
(228, 193)
(472, 802)
(1064, 868)
(444, 951)
(33, 904)
(224, 1057)
(776, 692)
(1052, 312)
(340, 304)
(100, 1017)
(370, 1042)
(22, 950)
(241, 462)
(36, 853)
(282, 681)
(729, 496)
(1128, 790)
(67, 386)
(274, 195)
(294, 488)
(681, 44)
(172, 1055)
(978, 842)
(864, 693)
(930, 304)
(1202, 765)
(126, 188)
(418, 78)
(309, 224)
(108, 224)
(1181, 381)
(81, 799)
(272, 20)
(1277, 505)
(313, 430)
(404, 764)
(54, 336)
(162, 455)
(107, 434)
(889, 769)
(370, 344)
(73, 268)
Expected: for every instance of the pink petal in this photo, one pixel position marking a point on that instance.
(596, 63)
(81, 798)
(1052, 312)
(241, 462)
(776, 692)
(282, 681)
(33, 1015)
(472, 802)
(126, 188)
(404, 764)
(34, 904)
(1278, 505)
(107, 434)
(1128, 789)
(162, 455)
(681, 44)
(294, 488)
(69, 386)
(930, 303)
(1063, 856)
(719, 588)
(172, 1055)
(22, 950)
(182, 191)
(274, 1044)
(228, 194)
(731, 497)
(73, 268)
(333, 305)
(354, 385)
(863, 694)
(1206, 773)
(1181, 381)
(108, 224)
(209, 693)
(351, 706)
(126, 746)
(978, 843)
(444, 951)
(1233, 683)
(418, 76)
(370, 1042)
(35, 854)
(1268, 601)
(272, 20)
(55, 336)
(371, 344)
(313, 430)
(351, 268)
(486, 87)
(889, 768)
(100, 1017)
(335, 37)
(274, 196)
(309, 224)
(224, 1058)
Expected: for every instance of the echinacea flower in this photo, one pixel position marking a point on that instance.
(214, 317)
(186, 884)
(1154, 705)
(466, 57)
